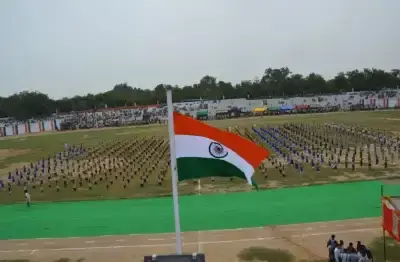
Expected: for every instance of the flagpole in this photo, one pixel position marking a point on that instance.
(174, 172)
(383, 230)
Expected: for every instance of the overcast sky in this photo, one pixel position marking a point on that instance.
(75, 47)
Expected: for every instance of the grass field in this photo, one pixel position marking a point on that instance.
(132, 162)
(19, 151)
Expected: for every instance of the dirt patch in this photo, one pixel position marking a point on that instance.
(122, 133)
(392, 119)
(361, 176)
(5, 153)
(210, 188)
(19, 140)
(340, 178)
(273, 184)
(391, 181)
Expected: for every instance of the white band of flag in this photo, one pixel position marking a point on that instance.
(199, 147)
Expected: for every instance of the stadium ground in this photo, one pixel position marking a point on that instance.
(101, 230)
(125, 230)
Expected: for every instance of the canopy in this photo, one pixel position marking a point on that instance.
(302, 107)
(286, 107)
(202, 113)
(259, 110)
(315, 106)
(274, 108)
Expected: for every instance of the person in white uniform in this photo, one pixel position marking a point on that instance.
(27, 198)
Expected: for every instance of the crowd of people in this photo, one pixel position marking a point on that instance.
(305, 147)
(111, 118)
(118, 163)
(339, 252)
(44, 170)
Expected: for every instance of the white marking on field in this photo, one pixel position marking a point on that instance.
(155, 239)
(199, 246)
(336, 232)
(120, 240)
(32, 252)
(122, 133)
(185, 244)
(309, 228)
(22, 244)
(90, 242)
(138, 246)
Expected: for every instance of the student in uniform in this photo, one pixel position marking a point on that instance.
(27, 198)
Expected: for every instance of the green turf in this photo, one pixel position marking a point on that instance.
(204, 212)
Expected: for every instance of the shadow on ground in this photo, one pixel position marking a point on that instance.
(278, 255)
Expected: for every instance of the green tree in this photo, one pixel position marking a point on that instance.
(273, 82)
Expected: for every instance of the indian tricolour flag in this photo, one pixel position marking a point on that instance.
(206, 151)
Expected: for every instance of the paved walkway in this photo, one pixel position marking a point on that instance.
(306, 241)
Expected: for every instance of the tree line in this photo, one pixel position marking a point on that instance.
(275, 82)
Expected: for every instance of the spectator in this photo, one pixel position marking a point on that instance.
(350, 249)
(338, 251)
(349, 257)
(330, 241)
(330, 244)
(364, 256)
(363, 249)
(359, 246)
(331, 251)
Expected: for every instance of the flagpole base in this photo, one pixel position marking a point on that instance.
(195, 257)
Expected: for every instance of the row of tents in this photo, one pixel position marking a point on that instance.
(272, 110)
(287, 108)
